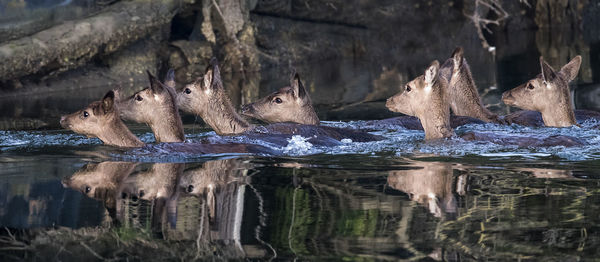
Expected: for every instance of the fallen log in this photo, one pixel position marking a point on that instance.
(74, 43)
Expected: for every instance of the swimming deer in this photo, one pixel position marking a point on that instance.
(464, 100)
(547, 93)
(462, 91)
(155, 106)
(207, 98)
(426, 97)
(288, 104)
(101, 119)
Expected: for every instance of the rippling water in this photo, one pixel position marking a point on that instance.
(67, 196)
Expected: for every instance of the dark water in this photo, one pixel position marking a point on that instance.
(69, 197)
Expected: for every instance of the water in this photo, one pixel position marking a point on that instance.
(68, 197)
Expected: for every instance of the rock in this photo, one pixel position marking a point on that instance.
(74, 43)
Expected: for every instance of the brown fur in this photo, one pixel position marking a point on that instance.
(207, 98)
(462, 91)
(426, 98)
(433, 110)
(548, 93)
(155, 106)
(288, 104)
(101, 119)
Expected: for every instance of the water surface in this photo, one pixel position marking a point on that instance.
(400, 198)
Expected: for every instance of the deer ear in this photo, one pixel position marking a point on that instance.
(155, 85)
(570, 70)
(431, 73)
(548, 73)
(170, 78)
(457, 58)
(212, 77)
(297, 85)
(108, 102)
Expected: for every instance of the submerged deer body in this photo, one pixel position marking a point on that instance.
(101, 119)
(206, 98)
(426, 98)
(548, 93)
(155, 106)
(288, 104)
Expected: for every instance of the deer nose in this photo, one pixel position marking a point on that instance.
(507, 97)
(389, 103)
(62, 122)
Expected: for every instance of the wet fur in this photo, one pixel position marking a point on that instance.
(207, 98)
(548, 93)
(295, 105)
(462, 91)
(158, 109)
(103, 122)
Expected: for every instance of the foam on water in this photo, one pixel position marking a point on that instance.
(398, 140)
(411, 142)
(298, 145)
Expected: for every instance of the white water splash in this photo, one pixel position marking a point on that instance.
(298, 145)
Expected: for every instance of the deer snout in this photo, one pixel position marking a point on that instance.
(389, 103)
(508, 98)
(63, 122)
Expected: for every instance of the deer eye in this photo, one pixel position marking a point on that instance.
(139, 98)
(408, 88)
(190, 188)
(85, 114)
(187, 91)
(530, 86)
(87, 189)
(278, 100)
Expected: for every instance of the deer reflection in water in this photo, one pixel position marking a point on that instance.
(433, 185)
(202, 203)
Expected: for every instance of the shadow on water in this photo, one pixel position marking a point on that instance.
(390, 208)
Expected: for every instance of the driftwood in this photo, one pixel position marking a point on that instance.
(75, 43)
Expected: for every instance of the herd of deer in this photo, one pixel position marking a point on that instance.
(429, 98)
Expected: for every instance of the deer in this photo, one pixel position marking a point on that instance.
(462, 91)
(155, 106)
(547, 98)
(207, 98)
(426, 97)
(288, 104)
(101, 119)
(464, 100)
(293, 103)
